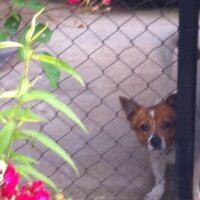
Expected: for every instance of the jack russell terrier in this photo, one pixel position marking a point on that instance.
(155, 128)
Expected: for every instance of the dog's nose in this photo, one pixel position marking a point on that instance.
(155, 141)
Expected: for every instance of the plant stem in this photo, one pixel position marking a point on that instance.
(10, 148)
(18, 105)
(26, 68)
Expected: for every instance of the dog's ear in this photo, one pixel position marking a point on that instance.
(129, 106)
(171, 100)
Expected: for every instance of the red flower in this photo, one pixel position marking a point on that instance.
(10, 181)
(106, 2)
(33, 191)
(73, 1)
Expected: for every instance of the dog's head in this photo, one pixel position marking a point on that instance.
(155, 125)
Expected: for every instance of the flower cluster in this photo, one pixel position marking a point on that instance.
(33, 191)
(93, 5)
(9, 189)
(9, 182)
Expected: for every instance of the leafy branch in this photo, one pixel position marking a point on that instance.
(18, 114)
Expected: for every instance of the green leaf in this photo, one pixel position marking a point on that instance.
(3, 36)
(23, 159)
(52, 145)
(22, 35)
(20, 3)
(19, 136)
(35, 5)
(2, 119)
(27, 169)
(54, 102)
(5, 136)
(42, 33)
(9, 44)
(12, 23)
(8, 94)
(31, 30)
(28, 116)
(20, 114)
(25, 85)
(25, 53)
(8, 114)
(52, 73)
(59, 64)
(23, 174)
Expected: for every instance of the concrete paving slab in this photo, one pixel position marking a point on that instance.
(122, 52)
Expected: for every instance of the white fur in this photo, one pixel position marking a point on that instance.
(149, 146)
(152, 113)
(164, 145)
(159, 160)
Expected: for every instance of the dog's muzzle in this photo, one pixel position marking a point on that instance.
(155, 142)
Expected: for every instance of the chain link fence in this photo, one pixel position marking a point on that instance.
(129, 51)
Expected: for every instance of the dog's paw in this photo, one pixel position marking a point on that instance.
(153, 196)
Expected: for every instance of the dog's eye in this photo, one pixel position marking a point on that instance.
(166, 125)
(145, 127)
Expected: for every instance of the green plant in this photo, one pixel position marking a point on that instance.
(19, 113)
(14, 19)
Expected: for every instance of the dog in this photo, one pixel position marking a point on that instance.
(155, 128)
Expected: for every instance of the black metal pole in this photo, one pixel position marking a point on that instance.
(187, 70)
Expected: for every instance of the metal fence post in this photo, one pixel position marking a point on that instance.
(187, 69)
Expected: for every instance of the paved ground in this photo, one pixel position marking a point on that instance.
(123, 52)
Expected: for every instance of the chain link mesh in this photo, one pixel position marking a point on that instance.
(129, 52)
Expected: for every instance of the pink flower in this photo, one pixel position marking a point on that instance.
(106, 2)
(10, 181)
(33, 191)
(73, 1)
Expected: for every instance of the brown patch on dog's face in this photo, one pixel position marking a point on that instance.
(157, 122)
